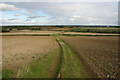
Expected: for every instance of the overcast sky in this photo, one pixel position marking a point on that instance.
(83, 13)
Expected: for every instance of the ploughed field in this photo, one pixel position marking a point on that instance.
(59, 57)
(19, 51)
(99, 55)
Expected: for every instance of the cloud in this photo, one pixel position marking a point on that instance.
(93, 19)
(33, 17)
(18, 14)
(30, 17)
(6, 21)
(70, 9)
(53, 9)
(6, 7)
(72, 19)
(76, 16)
(75, 12)
(60, 0)
(12, 19)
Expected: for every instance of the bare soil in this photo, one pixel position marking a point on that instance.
(18, 51)
(99, 55)
(81, 33)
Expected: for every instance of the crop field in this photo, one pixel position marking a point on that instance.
(51, 33)
(29, 32)
(59, 40)
(99, 55)
(112, 30)
(59, 56)
(19, 51)
(88, 34)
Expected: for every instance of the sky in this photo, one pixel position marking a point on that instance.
(53, 13)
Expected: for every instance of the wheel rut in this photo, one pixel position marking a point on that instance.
(58, 73)
(69, 64)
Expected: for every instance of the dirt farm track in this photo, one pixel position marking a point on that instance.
(76, 57)
(99, 54)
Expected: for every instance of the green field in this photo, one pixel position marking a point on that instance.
(96, 30)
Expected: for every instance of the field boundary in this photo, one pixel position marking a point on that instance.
(86, 67)
(70, 63)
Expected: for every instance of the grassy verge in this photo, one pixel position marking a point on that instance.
(71, 66)
(44, 67)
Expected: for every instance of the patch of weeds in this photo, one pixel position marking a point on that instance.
(8, 73)
(33, 57)
(41, 67)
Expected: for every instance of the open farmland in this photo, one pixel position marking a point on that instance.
(19, 51)
(30, 33)
(58, 56)
(112, 30)
(99, 55)
(39, 57)
(88, 34)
